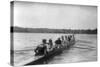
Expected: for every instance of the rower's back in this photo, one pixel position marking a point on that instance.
(41, 49)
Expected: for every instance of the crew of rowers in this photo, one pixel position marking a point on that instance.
(45, 47)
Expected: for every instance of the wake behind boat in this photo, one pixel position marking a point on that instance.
(48, 50)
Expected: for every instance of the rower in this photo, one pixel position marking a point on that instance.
(58, 43)
(50, 43)
(62, 37)
(69, 38)
(41, 49)
(66, 40)
(63, 41)
(49, 46)
(73, 37)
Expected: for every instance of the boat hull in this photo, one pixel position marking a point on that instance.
(51, 54)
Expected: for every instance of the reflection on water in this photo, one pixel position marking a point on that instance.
(85, 48)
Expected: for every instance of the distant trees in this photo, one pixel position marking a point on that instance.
(46, 30)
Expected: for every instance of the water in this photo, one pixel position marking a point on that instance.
(85, 48)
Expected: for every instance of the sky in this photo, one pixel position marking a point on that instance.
(55, 16)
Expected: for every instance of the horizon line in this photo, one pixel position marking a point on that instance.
(56, 28)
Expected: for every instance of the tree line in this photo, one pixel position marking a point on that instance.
(47, 30)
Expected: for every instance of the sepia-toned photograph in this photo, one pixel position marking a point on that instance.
(52, 33)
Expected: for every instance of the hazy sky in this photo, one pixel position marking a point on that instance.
(57, 16)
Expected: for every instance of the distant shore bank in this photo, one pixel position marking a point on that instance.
(46, 30)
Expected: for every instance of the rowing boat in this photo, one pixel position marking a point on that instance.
(44, 58)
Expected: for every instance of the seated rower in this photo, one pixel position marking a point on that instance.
(66, 37)
(66, 40)
(63, 40)
(41, 49)
(51, 44)
(73, 37)
(58, 43)
(69, 38)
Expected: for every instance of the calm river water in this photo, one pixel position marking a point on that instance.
(85, 48)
